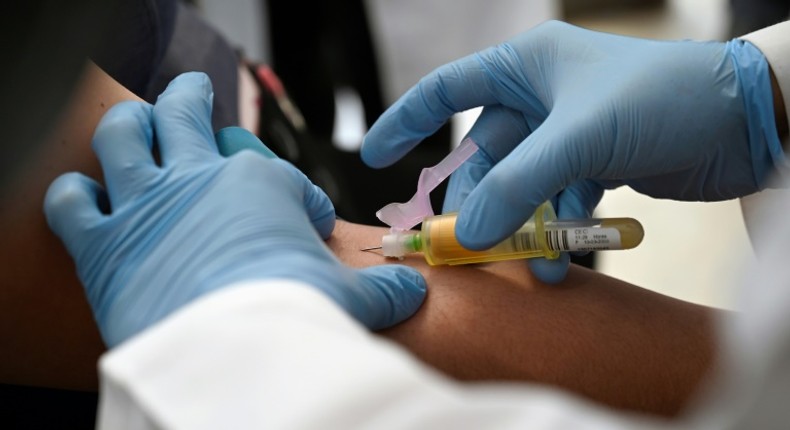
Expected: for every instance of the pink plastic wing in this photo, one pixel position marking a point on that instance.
(403, 216)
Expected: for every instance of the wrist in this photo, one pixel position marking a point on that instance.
(759, 101)
(773, 42)
(780, 113)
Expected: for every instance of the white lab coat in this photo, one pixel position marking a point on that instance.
(281, 355)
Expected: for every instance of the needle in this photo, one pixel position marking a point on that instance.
(371, 248)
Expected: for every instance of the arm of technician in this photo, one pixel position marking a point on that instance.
(569, 112)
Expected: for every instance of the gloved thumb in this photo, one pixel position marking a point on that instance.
(550, 271)
(579, 199)
(72, 202)
(576, 201)
(386, 295)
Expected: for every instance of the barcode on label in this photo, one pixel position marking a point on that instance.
(526, 242)
(576, 239)
(557, 240)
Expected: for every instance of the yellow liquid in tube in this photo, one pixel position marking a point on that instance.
(541, 236)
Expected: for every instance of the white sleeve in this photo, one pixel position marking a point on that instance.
(281, 355)
(753, 384)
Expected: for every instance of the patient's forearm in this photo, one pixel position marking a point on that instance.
(595, 335)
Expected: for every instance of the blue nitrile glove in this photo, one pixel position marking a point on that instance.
(569, 112)
(162, 235)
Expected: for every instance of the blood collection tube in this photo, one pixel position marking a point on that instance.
(542, 236)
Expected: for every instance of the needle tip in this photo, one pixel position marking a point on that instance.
(371, 248)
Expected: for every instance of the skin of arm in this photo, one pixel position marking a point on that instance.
(605, 339)
(44, 318)
(600, 337)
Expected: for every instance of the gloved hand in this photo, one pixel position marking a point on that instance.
(569, 112)
(163, 235)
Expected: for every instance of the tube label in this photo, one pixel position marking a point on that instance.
(584, 239)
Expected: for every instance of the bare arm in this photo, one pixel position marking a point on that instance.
(46, 328)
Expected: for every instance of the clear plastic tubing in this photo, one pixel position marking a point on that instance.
(542, 236)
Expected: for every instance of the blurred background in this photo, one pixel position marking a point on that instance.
(342, 63)
(691, 250)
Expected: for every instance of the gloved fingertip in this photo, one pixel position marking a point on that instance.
(550, 271)
(372, 154)
(190, 81)
(409, 290)
(413, 281)
(188, 93)
(466, 235)
(471, 235)
(122, 116)
(579, 200)
(474, 228)
(397, 292)
(231, 140)
(71, 200)
(324, 221)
